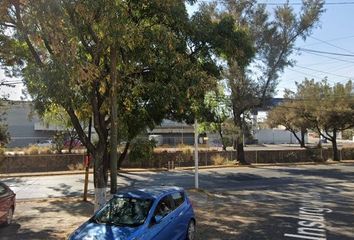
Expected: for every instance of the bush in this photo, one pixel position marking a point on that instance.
(77, 166)
(184, 155)
(4, 135)
(348, 134)
(45, 150)
(348, 153)
(218, 159)
(182, 146)
(2, 151)
(32, 150)
(59, 140)
(290, 157)
(142, 150)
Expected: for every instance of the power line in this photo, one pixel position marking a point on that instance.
(323, 63)
(330, 44)
(338, 59)
(308, 74)
(324, 52)
(316, 70)
(330, 40)
(343, 67)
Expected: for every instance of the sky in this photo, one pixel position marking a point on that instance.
(335, 35)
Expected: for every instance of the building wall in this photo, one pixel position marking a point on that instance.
(276, 136)
(21, 122)
(173, 139)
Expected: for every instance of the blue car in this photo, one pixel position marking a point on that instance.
(158, 213)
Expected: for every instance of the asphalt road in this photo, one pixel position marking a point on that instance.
(313, 202)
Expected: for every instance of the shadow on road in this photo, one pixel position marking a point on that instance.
(332, 174)
(15, 232)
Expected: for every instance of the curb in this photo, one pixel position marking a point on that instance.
(44, 174)
(254, 165)
(205, 167)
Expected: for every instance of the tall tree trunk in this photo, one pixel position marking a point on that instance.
(241, 153)
(299, 139)
(239, 145)
(222, 138)
(302, 142)
(71, 144)
(100, 179)
(114, 130)
(122, 156)
(334, 146)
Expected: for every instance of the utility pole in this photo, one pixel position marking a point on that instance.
(87, 162)
(196, 177)
(114, 130)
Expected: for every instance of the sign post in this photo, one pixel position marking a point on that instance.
(196, 180)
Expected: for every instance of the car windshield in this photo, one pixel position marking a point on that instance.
(122, 211)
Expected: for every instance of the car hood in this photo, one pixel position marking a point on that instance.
(94, 231)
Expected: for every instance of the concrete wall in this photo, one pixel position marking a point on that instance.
(276, 136)
(38, 163)
(62, 162)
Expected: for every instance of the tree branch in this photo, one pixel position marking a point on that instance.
(81, 133)
(25, 35)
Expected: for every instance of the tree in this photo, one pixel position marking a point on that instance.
(273, 38)
(4, 134)
(215, 113)
(57, 116)
(329, 108)
(290, 114)
(70, 52)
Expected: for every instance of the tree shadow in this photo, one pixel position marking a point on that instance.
(67, 191)
(72, 206)
(15, 232)
(268, 214)
(333, 173)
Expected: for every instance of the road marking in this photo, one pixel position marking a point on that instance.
(312, 223)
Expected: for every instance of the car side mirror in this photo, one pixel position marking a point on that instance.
(158, 218)
(155, 220)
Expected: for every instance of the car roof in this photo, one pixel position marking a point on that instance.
(148, 192)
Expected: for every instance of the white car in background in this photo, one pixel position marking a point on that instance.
(45, 143)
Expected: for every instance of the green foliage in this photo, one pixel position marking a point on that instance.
(56, 115)
(215, 112)
(324, 108)
(2, 151)
(292, 116)
(252, 36)
(4, 135)
(347, 153)
(329, 108)
(58, 142)
(32, 150)
(142, 150)
(64, 50)
(348, 134)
